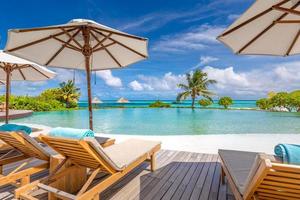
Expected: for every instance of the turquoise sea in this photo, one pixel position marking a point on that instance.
(173, 121)
(145, 103)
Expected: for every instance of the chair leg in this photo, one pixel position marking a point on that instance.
(153, 162)
(222, 176)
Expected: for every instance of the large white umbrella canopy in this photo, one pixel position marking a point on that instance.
(79, 44)
(268, 27)
(13, 68)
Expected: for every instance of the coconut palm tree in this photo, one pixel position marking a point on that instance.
(197, 85)
(70, 93)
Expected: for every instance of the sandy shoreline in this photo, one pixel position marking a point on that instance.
(209, 143)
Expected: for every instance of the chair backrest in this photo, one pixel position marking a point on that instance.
(25, 144)
(86, 152)
(275, 181)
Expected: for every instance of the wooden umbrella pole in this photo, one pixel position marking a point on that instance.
(87, 51)
(8, 71)
(88, 79)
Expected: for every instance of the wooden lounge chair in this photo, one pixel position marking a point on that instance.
(259, 176)
(116, 160)
(27, 155)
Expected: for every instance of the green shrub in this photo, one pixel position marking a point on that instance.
(51, 94)
(263, 104)
(282, 99)
(225, 101)
(205, 102)
(159, 104)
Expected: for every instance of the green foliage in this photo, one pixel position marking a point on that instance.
(69, 93)
(289, 101)
(225, 101)
(49, 100)
(33, 103)
(205, 102)
(197, 85)
(282, 99)
(159, 104)
(263, 104)
(51, 94)
(271, 94)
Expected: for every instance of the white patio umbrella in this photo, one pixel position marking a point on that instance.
(268, 27)
(79, 44)
(13, 68)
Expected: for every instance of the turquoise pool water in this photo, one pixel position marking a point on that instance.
(173, 121)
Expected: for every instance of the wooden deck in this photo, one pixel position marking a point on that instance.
(15, 114)
(180, 175)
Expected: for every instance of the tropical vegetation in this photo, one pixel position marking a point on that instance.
(197, 85)
(205, 102)
(69, 93)
(225, 101)
(281, 101)
(60, 98)
(159, 104)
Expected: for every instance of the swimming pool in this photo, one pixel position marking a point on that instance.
(173, 121)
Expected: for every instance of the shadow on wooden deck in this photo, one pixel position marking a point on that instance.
(179, 175)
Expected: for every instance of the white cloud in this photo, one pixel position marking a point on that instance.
(256, 82)
(207, 59)
(136, 86)
(167, 82)
(109, 79)
(194, 39)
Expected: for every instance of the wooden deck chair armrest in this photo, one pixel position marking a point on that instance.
(108, 143)
(287, 167)
(259, 176)
(13, 159)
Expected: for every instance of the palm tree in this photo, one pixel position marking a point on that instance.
(197, 85)
(70, 93)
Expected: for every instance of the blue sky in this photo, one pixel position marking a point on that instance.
(181, 38)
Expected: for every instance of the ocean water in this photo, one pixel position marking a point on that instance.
(172, 121)
(187, 103)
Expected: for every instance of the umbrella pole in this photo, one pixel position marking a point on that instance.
(88, 79)
(87, 52)
(7, 94)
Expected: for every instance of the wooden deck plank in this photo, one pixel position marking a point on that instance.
(169, 188)
(179, 175)
(206, 191)
(161, 184)
(214, 191)
(162, 174)
(201, 180)
(130, 190)
(131, 181)
(185, 182)
(15, 114)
